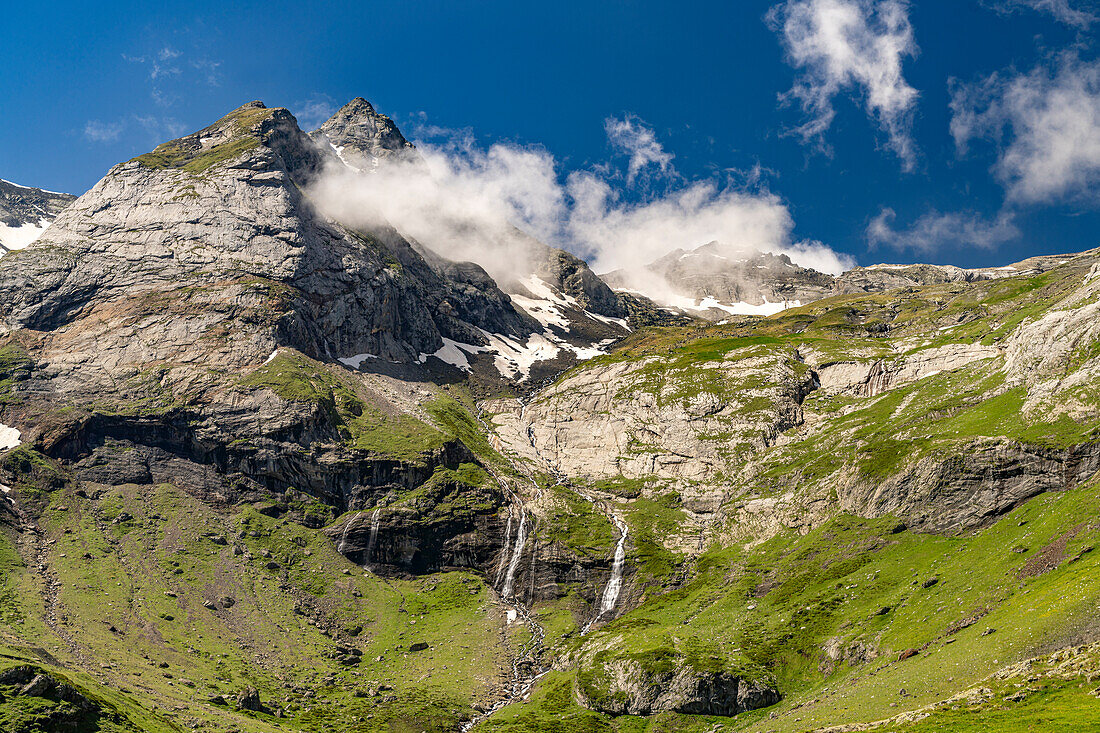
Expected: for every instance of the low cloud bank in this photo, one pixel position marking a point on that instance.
(467, 202)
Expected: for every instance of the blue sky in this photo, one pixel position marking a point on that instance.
(962, 131)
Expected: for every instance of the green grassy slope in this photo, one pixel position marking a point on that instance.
(165, 603)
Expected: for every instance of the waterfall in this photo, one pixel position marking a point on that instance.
(343, 544)
(374, 521)
(615, 583)
(504, 549)
(517, 552)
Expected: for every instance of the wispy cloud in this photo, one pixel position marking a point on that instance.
(173, 73)
(208, 70)
(934, 231)
(1046, 124)
(855, 47)
(1077, 14)
(102, 132)
(156, 127)
(633, 137)
(313, 112)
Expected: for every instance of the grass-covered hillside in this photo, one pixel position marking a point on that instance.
(877, 511)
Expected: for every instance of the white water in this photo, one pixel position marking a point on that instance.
(374, 522)
(615, 583)
(526, 669)
(508, 591)
(344, 535)
(504, 549)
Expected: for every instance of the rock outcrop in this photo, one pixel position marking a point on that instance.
(361, 137)
(627, 686)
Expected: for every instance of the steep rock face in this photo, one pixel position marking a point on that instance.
(25, 213)
(444, 523)
(872, 377)
(972, 487)
(687, 423)
(522, 326)
(572, 277)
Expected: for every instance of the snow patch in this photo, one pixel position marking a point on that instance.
(340, 154)
(13, 238)
(734, 309)
(620, 322)
(271, 358)
(9, 437)
(514, 359)
(540, 288)
(542, 311)
(454, 353)
(356, 361)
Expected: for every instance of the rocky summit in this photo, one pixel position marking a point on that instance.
(263, 469)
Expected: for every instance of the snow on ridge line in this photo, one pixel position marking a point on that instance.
(32, 188)
(9, 437)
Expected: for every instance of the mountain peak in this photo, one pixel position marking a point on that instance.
(361, 136)
(246, 129)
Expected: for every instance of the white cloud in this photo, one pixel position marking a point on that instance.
(854, 46)
(313, 112)
(473, 203)
(615, 234)
(633, 137)
(1062, 10)
(935, 230)
(1047, 124)
(102, 132)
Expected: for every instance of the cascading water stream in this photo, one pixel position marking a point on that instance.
(344, 535)
(615, 583)
(508, 589)
(504, 550)
(375, 520)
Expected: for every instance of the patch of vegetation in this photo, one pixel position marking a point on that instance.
(295, 377)
(576, 523)
(15, 365)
